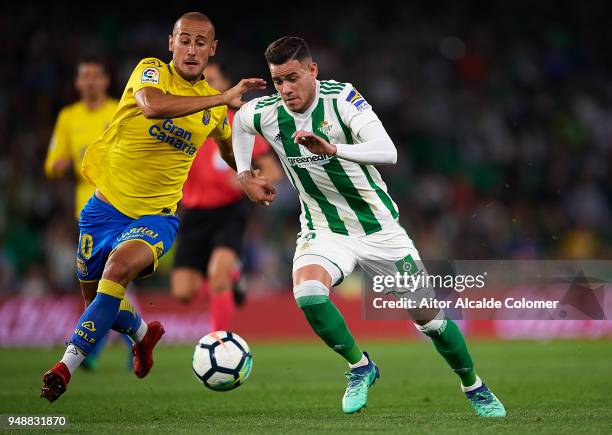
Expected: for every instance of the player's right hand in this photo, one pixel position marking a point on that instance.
(233, 96)
(257, 189)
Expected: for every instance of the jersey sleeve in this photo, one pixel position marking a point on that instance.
(222, 130)
(354, 110)
(247, 117)
(260, 146)
(59, 146)
(243, 138)
(150, 72)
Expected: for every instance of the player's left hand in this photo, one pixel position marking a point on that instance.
(314, 143)
(257, 188)
(233, 97)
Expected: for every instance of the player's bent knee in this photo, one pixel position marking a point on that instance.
(314, 267)
(310, 292)
(430, 325)
(117, 270)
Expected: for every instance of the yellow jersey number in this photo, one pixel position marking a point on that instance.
(86, 244)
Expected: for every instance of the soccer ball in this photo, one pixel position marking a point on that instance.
(222, 360)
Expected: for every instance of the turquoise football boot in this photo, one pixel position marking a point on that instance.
(485, 403)
(360, 379)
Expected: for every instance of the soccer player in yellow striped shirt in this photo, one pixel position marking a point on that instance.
(139, 166)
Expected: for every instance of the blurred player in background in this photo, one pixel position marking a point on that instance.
(213, 221)
(77, 126)
(139, 166)
(328, 138)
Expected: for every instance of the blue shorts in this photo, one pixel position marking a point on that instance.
(102, 228)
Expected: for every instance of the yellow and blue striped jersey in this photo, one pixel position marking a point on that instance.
(140, 164)
(76, 128)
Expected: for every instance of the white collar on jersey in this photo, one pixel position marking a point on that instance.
(310, 109)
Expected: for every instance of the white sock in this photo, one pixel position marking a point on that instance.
(140, 332)
(477, 384)
(362, 362)
(72, 358)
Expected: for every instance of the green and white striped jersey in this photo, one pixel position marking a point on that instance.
(336, 195)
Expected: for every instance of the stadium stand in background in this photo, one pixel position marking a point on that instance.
(503, 125)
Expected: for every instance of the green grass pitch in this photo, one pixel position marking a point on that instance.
(547, 387)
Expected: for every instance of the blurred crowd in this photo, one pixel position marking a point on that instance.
(501, 114)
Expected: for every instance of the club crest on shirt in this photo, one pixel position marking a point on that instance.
(206, 117)
(325, 127)
(150, 75)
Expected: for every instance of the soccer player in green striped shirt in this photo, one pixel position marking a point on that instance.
(328, 140)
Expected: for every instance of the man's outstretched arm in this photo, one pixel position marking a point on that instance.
(155, 104)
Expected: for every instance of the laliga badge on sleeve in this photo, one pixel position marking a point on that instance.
(150, 75)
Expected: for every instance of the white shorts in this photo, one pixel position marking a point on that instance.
(377, 253)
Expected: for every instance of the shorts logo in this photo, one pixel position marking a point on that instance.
(310, 236)
(206, 117)
(81, 267)
(325, 127)
(159, 249)
(307, 238)
(355, 98)
(150, 75)
(407, 265)
(89, 325)
(138, 233)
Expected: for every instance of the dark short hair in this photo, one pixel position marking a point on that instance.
(92, 59)
(287, 48)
